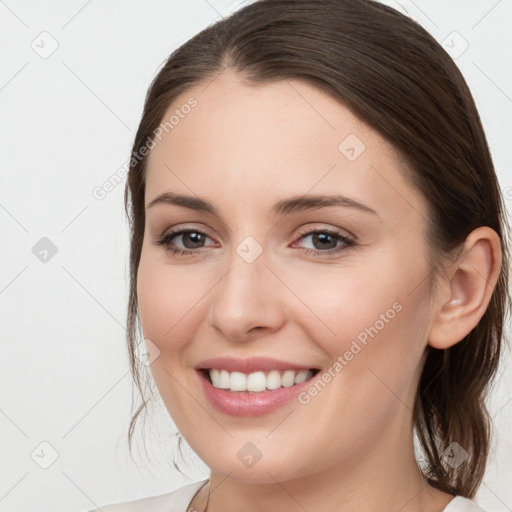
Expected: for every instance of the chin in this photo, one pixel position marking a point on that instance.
(266, 470)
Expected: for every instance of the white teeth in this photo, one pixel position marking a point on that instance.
(224, 379)
(301, 377)
(221, 377)
(288, 378)
(273, 379)
(257, 381)
(237, 381)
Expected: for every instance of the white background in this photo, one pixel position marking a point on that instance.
(66, 125)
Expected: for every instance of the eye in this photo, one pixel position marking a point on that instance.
(327, 241)
(191, 239)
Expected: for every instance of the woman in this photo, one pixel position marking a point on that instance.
(300, 374)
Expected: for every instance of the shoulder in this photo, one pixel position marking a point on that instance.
(175, 501)
(461, 504)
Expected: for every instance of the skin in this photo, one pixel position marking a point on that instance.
(350, 448)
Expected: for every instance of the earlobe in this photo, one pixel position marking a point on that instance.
(469, 286)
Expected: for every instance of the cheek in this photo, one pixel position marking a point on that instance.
(367, 320)
(168, 299)
(375, 350)
(339, 304)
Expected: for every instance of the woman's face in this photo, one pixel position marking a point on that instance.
(281, 267)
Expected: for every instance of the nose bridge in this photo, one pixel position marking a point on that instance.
(245, 281)
(244, 298)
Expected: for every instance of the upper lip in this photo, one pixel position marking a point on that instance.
(250, 365)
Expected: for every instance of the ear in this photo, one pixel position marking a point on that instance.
(467, 288)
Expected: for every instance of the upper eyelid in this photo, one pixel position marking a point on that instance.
(185, 230)
(171, 235)
(302, 231)
(330, 229)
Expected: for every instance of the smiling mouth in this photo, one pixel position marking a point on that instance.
(258, 381)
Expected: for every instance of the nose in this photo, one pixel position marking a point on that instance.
(247, 301)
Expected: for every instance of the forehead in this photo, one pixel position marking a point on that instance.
(274, 140)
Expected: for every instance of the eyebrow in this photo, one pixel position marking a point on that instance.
(284, 206)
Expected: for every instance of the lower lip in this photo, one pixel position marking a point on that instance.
(243, 403)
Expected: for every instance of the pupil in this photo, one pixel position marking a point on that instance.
(323, 238)
(196, 240)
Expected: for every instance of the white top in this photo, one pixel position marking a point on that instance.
(179, 501)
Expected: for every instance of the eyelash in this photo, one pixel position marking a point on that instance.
(165, 240)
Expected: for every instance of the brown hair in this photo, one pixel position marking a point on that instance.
(394, 75)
